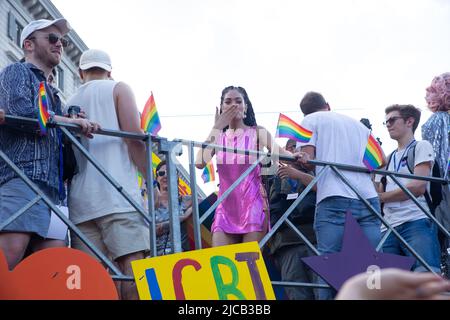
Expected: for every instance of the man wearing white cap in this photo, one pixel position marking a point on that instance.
(95, 206)
(35, 153)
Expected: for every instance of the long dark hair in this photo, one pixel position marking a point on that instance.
(250, 119)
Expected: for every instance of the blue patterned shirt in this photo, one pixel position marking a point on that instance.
(37, 156)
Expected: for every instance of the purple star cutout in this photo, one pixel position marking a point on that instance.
(356, 256)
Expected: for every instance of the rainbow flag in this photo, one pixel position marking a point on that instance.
(287, 128)
(150, 119)
(373, 157)
(208, 173)
(43, 109)
(448, 166)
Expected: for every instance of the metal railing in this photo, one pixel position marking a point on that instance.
(172, 149)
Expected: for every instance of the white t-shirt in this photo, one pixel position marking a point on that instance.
(91, 195)
(339, 139)
(399, 212)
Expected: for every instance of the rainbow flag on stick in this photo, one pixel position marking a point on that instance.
(373, 157)
(150, 119)
(208, 174)
(287, 128)
(43, 116)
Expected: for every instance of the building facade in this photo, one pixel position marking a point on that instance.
(14, 15)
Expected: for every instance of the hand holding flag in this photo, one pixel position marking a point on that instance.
(43, 116)
(208, 174)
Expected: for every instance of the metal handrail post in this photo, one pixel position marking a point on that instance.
(195, 209)
(169, 149)
(150, 195)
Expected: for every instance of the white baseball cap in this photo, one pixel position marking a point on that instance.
(95, 58)
(62, 25)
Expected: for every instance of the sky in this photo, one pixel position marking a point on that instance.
(361, 55)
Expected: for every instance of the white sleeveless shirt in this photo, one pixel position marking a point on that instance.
(91, 195)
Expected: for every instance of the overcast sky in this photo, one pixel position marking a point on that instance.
(362, 55)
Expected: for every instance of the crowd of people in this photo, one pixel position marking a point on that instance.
(120, 233)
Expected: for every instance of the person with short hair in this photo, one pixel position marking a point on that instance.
(107, 219)
(37, 155)
(339, 139)
(399, 210)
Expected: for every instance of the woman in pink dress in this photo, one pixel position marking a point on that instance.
(243, 215)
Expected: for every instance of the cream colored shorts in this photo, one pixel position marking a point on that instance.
(115, 235)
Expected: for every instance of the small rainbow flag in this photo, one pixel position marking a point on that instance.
(373, 156)
(208, 173)
(43, 109)
(287, 128)
(448, 165)
(150, 119)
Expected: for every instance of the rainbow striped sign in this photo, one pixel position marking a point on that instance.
(43, 116)
(287, 128)
(373, 157)
(150, 119)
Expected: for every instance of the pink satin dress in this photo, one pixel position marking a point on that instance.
(243, 210)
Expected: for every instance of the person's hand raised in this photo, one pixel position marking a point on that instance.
(223, 120)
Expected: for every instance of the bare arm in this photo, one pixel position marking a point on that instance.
(417, 187)
(2, 116)
(129, 120)
(309, 153)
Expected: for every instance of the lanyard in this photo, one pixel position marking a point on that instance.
(397, 167)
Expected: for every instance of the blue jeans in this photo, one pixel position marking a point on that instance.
(421, 235)
(329, 227)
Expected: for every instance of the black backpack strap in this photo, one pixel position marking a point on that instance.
(411, 157)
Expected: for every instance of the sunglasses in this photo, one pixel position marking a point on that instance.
(161, 173)
(391, 121)
(53, 39)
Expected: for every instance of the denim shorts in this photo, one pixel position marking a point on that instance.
(14, 195)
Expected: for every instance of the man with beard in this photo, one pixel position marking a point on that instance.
(35, 152)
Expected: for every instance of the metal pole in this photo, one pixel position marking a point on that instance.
(168, 148)
(151, 196)
(195, 210)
